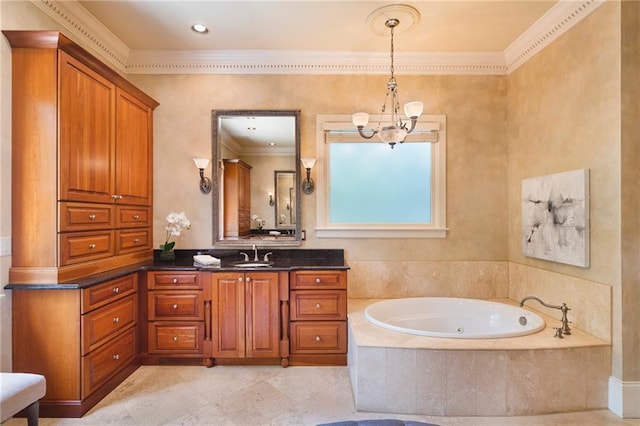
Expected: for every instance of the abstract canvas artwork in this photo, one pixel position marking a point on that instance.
(555, 217)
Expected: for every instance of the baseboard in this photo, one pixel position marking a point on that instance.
(624, 397)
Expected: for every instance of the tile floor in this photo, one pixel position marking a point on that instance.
(265, 395)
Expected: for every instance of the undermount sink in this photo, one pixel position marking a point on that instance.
(253, 264)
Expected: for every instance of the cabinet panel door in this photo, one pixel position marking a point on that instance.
(87, 133)
(262, 302)
(133, 150)
(228, 315)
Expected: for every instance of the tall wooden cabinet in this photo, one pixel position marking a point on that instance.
(237, 198)
(81, 163)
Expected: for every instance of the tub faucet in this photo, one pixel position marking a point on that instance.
(564, 309)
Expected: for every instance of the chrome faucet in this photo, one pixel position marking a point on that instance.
(255, 253)
(564, 309)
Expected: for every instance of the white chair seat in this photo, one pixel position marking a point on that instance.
(19, 391)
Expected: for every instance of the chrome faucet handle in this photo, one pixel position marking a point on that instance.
(266, 256)
(246, 256)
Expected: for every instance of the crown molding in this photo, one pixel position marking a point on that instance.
(93, 34)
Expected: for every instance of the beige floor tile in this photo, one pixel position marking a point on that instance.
(247, 396)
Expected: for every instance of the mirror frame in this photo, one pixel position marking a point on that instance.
(218, 240)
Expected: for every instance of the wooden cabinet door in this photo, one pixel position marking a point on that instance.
(133, 153)
(262, 315)
(87, 134)
(228, 304)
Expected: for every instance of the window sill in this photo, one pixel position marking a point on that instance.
(404, 232)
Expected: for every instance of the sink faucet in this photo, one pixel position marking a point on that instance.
(564, 309)
(255, 253)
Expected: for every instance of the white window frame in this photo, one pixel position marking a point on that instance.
(436, 124)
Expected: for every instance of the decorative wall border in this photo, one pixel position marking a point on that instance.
(96, 37)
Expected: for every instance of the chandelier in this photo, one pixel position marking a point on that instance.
(396, 130)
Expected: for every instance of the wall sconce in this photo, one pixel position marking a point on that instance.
(271, 200)
(205, 182)
(307, 185)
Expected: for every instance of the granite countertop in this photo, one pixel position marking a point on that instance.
(283, 260)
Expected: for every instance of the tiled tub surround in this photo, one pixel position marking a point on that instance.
(536, 374)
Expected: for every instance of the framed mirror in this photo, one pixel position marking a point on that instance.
(257, 158)
(286, 203)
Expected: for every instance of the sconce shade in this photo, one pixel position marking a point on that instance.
(201, 163)
(308, 163)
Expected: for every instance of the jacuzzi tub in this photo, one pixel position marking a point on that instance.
(453, 317)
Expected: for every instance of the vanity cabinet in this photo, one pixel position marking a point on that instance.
(248, 319)
(237, 198)
(81, 163)
(178, 309)
(84, 341)
(318, 317)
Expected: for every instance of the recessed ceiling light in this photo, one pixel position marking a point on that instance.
(199, 28)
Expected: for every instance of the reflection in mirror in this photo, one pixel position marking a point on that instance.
(286, 203)
(250, 148)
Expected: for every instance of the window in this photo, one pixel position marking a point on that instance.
(365, 189)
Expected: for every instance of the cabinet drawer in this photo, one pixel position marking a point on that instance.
(103, 323)
(318, 279)
(186, 337)
(185, 306)
(101, 294)
(132, 217)
(318, 305)
(133, 240)
(319, 337)
(101, 364)
(174, 280)
(83, 246)
(85, 217)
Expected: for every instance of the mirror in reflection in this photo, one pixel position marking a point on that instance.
(255, 187)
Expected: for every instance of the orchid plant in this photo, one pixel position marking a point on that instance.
(176, 224)
(260, 222)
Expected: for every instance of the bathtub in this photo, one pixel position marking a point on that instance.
(453, 318)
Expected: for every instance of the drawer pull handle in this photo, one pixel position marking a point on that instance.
(318, 338)
(174, 306)
(175, 338)
(116, 290)
(117, 197)
(175, 280)
(92, 217)
(115, 356)
(92, 246)
(317, 280)
(116, 320)
(136, 240)
(317, 306)
(136, 216)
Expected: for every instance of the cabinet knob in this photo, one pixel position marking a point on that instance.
(116, 320)
(318, 338)
(136, 216)
(92, 217)
(116, 290)
(174, 306)
(317, 280)
(175, 280)
(317, 306)
(247, 279)
(175, 338)
(240, 279)
(136, 240)
(116, 197)
(92, 246)
(115, 356)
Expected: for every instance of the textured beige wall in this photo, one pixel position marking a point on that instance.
(564, 114)
(477, 155)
